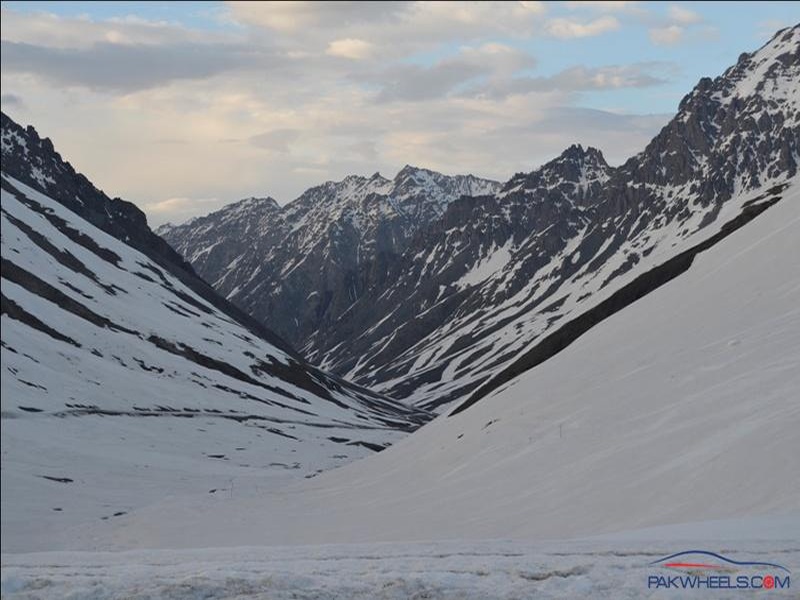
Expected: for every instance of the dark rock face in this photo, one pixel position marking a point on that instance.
(302, 266)
(453, 305)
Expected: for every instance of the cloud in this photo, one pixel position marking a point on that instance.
(477, 65)
(293, 16)
(177, 210)
(277, 140)
(45, 29)
(125, 67)
(605, 6)
(416, 83)
(580, 78)
(683, 16)
(393, 28)
(568, 28)
(11, 101)
(182, 205)
(672, 28)
(366, 149)
(349, 48)
(662, 36)
(583, 79)
(524, 143)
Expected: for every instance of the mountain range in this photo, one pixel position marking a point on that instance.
(302, 266)
(430, 311)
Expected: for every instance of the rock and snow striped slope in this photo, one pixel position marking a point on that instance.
(121, 385)
(499, 273)
(680, 408)
(299, 266)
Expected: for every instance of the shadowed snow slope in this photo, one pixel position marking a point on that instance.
(682, 407)
(122, 385)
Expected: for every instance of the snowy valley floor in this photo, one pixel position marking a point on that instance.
(693, 418)
(612, 568)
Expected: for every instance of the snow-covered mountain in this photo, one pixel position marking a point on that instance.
(301, 266)
(481, 278)
(123, 375)
(499, 273)
(680, 409)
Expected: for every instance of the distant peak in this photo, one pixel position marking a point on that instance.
(577, 153)
(411, 170)
(254, 201)
(576, 164)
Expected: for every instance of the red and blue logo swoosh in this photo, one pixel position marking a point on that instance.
(705, 560)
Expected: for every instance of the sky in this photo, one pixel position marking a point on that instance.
(182, 107)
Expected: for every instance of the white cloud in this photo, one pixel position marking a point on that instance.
(671, 34)
(568, 28)
(349, 48)
(276, 140)
(126, 68)
(579, 79)
(683, 16)
(53, 31)
(605, 6)
(678, 25)
(395, 27)
(177, 210)
(471, 69)
(292, 16)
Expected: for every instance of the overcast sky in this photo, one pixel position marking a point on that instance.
(183, 107)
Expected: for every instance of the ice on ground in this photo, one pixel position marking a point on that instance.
(613, 569)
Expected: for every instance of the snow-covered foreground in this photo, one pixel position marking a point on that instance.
(615, 568)
(682, 407)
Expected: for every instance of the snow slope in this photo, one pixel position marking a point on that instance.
(682, 407)
(121, 385)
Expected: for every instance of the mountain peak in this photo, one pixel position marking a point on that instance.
(771, 71)
(261, 202)
(412, 172)
(577, 153)
(768, 73)
(575, 166)
(733, 132)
